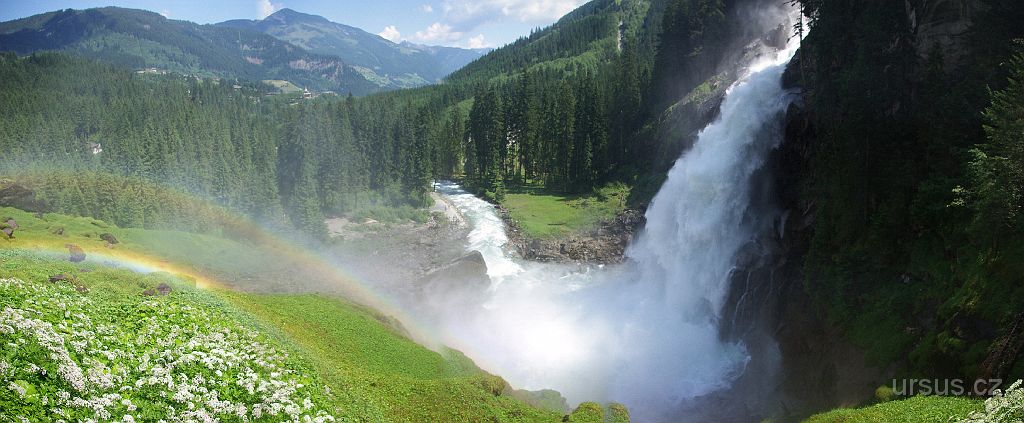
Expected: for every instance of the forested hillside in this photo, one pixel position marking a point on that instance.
(99, 141)
(914, 180)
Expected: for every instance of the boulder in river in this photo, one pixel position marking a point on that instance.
(463, 282)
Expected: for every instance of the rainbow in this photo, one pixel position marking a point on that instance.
(321, 271)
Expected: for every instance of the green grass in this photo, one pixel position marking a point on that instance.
(919, 409)
(95, 347)
(543, 214)
(368, 369)
(382, 374)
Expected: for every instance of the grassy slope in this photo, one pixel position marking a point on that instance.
(107, 312)
(919, 409)
(375, 373)
(383, 375)
(543, 214)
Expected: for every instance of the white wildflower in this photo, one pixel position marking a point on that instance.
(17, 389)
(1002, 406)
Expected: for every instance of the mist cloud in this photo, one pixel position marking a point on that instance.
(266, 8)
(391, 33)
(466, 15)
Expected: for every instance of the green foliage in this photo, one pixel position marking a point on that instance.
(587, 412)
(693, 39)
(919, 409)
(915, 193)
(884, 394)
(996, 170)
(401, 214)
(617, 413)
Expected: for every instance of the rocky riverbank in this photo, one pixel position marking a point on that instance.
(605, 243)
(392, 256)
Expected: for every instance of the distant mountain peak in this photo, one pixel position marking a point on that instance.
(289, 16)
(434, 48)
(379, 59)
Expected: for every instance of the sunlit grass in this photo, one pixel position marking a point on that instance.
(544, 214)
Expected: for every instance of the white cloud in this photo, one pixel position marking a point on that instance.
(438, 33)
(427, 8)
(266, 8)
(469, 13)
(391, 33)
(476, 42)
(165, 13)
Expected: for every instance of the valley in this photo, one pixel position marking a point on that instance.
(640, 210)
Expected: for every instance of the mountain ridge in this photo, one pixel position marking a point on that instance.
(405, 64)
(238, 49)
(143, 39)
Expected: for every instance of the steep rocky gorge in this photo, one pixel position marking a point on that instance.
(770, 301)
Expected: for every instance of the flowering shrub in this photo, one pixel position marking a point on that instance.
(65, 356)
(1005, 406)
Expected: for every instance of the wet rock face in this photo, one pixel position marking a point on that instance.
(469, 271)
(460, 284)
(1004, 351)
(943, 24)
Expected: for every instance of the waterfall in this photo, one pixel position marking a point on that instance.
(644, 333)
(696, 224)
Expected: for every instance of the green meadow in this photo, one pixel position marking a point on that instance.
(542, 213)
(325, 357)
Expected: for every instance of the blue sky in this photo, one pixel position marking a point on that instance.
(462, 23)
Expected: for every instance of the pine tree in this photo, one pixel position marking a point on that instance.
(997, 168)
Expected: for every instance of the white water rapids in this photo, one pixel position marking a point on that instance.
(644, 333)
